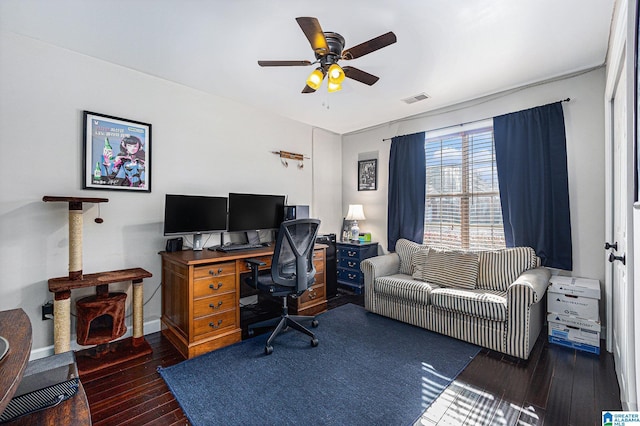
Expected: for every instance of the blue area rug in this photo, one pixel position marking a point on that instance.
(367, 370)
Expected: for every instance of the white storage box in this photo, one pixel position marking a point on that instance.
(577, 306)
(583, 287)
(574, 321)
(574, 334)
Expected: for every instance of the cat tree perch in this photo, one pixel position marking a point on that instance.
(61, 287)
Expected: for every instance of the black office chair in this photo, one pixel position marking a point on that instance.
(292, 273)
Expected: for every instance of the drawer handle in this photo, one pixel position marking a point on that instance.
(352, 264)
(217, 287)
(312, 295)
(212, 325)
(212, 306)
(352, 276)
(215, 273)
(351, 253)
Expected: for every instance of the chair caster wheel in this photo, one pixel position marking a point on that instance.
(314, 342)
(314, 323)
(268, 350)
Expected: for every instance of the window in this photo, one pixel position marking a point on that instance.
(462, 205)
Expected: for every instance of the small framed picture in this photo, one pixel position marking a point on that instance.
(117, 153)
(368, 175)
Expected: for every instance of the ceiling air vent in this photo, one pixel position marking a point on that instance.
(416, 98)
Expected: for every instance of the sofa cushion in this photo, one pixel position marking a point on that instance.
(405, 249)
(500, 268)
(449, 268)
(487, 304)
(401, 286)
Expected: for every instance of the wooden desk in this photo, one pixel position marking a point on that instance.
(201, 294)
(16, 328)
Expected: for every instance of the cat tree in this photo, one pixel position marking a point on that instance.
(105, 353)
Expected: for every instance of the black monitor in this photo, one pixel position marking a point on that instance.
(194, 215)
(252, 212)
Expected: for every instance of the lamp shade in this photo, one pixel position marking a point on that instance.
(315, 78)
(355, 212)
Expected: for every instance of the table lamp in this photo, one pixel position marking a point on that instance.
(355, 214)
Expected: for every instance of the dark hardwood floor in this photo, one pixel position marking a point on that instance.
(556, 386)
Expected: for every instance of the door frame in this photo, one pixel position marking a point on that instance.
(621, 52)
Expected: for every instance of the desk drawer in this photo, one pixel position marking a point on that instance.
(214, 324)
(215, 270)
(317, 292)
(214, 305)
(215, 285)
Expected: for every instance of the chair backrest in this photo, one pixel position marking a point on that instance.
(292, 263)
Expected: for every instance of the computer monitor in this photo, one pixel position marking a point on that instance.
(252, 212)
(194, 215)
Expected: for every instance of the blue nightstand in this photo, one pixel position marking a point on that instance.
(349, 255)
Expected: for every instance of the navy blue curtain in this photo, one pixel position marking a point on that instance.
(407, 179)
(531, 157)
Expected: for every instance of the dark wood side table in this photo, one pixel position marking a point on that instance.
(16, 328)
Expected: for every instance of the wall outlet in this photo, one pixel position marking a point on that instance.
(47, 311)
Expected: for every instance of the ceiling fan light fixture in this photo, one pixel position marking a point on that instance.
(336, 74)
(333, 87)
(315, 78)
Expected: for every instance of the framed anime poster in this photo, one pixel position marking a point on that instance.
(117, 153)
(368, 175)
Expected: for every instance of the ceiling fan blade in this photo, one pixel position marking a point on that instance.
(359, 75)
(283, 63)
(308, 89)
(370, 46)
(312, 29)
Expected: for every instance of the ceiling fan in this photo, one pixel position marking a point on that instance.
(329, 49)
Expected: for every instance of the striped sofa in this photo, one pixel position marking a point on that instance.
(493, 299)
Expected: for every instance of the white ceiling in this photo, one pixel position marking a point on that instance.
(453, 50)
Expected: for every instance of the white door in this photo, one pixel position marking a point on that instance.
(622, 303)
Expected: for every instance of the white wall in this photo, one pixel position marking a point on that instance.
(201, 144)
(584, 122)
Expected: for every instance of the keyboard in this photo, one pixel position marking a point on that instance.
(235, 247)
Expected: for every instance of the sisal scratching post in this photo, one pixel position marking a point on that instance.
(138, 331)
(62, 325)
(75, 244)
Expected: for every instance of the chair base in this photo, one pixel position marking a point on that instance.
(282, 323)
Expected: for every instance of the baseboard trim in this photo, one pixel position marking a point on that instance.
(149, 327)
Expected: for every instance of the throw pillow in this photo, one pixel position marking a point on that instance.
(405, 249)
(500, 268)
(451, 268)
(419, 263)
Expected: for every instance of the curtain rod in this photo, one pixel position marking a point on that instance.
(468, 122)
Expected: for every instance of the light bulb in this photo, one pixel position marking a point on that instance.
(336, 74)
(315, 78)
(333, 87)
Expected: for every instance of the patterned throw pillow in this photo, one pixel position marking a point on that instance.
(500, 268)
(451, 268)
(405, 249)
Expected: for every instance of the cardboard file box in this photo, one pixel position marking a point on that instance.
(577, 306)
(582, 287)
(574, 321)
(574, 334)
(574, 345)
(46, 383)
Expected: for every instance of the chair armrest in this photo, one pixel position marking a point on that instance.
(255, 265)
(534, 282)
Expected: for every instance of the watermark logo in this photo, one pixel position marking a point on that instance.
(620, 418)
